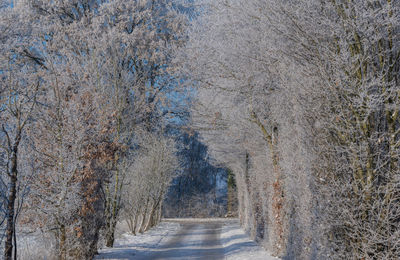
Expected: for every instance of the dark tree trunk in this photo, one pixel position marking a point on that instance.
(154, 213)
(150, 222)
(8, 248)
(110, 234)
(15, 240)
(10, 228)
(62, 243)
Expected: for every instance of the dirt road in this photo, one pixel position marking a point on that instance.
(187, 239)
(192, 241)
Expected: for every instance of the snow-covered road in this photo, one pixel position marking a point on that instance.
(186, 239)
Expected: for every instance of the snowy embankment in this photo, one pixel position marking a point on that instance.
(128, 246)
(238, 246)
(234, 242)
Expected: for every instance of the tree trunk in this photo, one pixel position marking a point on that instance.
(110, 233)
(113, 207)
(135, 224)
(159, 213)
(141, 229)
(15, 240)
(151, 217)
(231, 196)
(62, 238)
(8, 246)
(130, 221)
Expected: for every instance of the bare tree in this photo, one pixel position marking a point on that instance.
(18, 97)
(105, 71)
(314, 84)
(138, 78)
(148, 179)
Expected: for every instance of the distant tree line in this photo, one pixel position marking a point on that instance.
(201, 188)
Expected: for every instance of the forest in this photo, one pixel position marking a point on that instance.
(284, 113)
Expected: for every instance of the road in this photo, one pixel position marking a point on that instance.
(192, 241)
(187, 239)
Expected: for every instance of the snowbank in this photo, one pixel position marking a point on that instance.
(129, 246)
(238, 246)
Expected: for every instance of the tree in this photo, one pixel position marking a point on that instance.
(199, 190)
(18, 98)
(147, 181)
(138, 68)
(106, 71)
(312, 83)
(73, 141)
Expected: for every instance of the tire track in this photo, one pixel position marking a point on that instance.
(193, 241)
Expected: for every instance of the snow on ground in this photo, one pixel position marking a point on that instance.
(235, 242)
(33, 245)
(196, 220)
(128, 246)
(238, 246)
